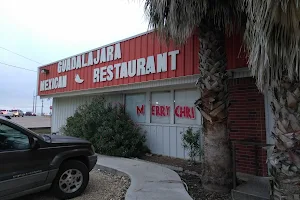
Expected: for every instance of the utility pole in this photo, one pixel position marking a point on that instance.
(51, 102)
(33, 102)
(42, 107)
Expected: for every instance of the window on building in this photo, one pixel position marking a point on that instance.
(114, 100)
(160, 107)
(136, 106)
(184, 110)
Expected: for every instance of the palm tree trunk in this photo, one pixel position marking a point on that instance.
(285, 158)
(213, 104)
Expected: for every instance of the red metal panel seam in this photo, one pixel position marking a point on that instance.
(89, 74)
(164, 49)
(160, 46)
(139, 44)
(196, 55)
(180, 61)
(51, 74)
(157, 50)
(70, 83)
(131, 52)
(118, 81)
(169, 73)
(151, 53)
(189, 58)
(101, 84)
(144, 49)
(126, 58)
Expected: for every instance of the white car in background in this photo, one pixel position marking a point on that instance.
(4, 115)
(17, 113)
(7, 113)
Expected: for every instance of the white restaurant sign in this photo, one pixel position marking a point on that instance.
(137, 67)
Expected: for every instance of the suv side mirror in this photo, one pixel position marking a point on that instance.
(34, 143)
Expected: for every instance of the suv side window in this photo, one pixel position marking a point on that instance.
(12, 139)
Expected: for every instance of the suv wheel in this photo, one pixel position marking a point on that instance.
(71, 180)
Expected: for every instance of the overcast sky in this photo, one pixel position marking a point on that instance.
(47, 31)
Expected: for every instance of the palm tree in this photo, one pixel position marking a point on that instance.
(271, 36)
(178, 20)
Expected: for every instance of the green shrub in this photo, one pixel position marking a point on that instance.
(192, 141)
(109, 128)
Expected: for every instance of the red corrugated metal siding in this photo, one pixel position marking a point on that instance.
(236, 57)
(138, 47)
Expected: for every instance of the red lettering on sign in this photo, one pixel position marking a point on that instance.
(163, 111)
(185, 112)
(168, 110)
(179, 111)
(157, 111)
(160, 111)
(193, 113)
(153, 110)
(140, 110)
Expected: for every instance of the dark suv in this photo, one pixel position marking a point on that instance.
(31, 163)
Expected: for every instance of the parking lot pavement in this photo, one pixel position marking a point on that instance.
(33, 121)
(102, 186)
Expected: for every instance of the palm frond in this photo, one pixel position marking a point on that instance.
(177, 19)
(272, 38)
(227, 16)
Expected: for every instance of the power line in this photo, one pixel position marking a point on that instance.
(17, 67)
(20, 55)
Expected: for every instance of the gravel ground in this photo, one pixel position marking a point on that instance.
(102, 186)
(197, 192)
